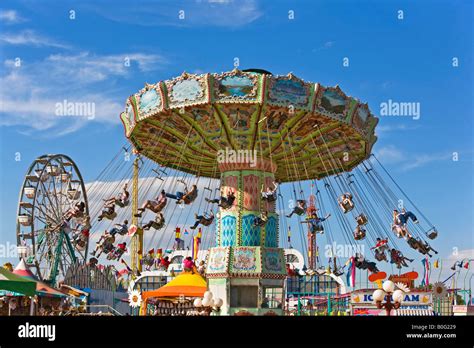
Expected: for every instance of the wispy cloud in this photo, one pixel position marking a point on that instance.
(461, 255)
(382, 129)
(389, 154)
(31, 92)
(219, 13)
(11, 17)
(30, 38)
(406, 162)
(325, 46)
(423, 159)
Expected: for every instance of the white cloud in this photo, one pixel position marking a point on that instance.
(325, 46)
(382, 129)
(11, 17)
(408, 161)
(30, 38)
(30, 92)
(423, 159)
(389, 154)
(220, 13)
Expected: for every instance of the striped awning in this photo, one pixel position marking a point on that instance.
(415, 312)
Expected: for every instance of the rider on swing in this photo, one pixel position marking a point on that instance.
(261, 220)
(118, 252)
(203, 220)
(345, 202)
(105, 244)
(397, 258)
(224, 202)
(270, 195)
(122, 200)
(121, 229)
(400, 220)
(299, 208)
(76, 211)
(380, 248)
(157, 223)
(108, 211)
(315, 223)
(419, 245)
(359, 232)
(186, 197)
(155, 205)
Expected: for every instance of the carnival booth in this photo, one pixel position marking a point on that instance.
(12, 287)
(48, 299)
(176, 297)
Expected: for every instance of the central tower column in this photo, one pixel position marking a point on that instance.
(246, 268)
(235, 226)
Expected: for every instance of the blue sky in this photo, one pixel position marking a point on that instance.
(408, 60)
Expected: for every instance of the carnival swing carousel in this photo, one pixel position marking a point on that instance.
(233, 161)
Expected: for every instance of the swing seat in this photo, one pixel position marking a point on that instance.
(271, 198)
(362, 219)
(110, 216)
(157, 225)
(318, 228)
(80, 244)
(122, 232)
(298, 211)
(432, 234)
(122, 204)
(398, 231)
(207, 223)
(346, 205)
(115, 255)
(359, 234)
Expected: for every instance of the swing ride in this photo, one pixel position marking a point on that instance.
(214, 155)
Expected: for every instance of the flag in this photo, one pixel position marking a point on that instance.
(196, 242)
(436, 264)
(132, 230)
(426, 273)
(123, 272)
(159, 253)
(351, 273)
(199, 235)
(178, 233)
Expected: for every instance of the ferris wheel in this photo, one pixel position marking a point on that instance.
(53, 217)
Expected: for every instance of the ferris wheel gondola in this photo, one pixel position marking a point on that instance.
(53, 217)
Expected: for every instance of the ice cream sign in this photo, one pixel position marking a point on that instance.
(412, 298)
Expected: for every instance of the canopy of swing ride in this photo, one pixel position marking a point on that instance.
(314, 141)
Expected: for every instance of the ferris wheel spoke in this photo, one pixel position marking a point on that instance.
(53, 181)
(46, 194)
(45, 215)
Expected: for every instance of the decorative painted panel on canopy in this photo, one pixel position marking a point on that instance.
(306, 129)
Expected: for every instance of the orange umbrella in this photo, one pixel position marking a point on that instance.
(186, 284)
